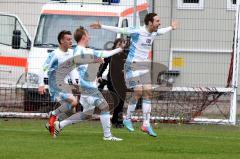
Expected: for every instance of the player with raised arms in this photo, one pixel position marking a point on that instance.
(141, 45)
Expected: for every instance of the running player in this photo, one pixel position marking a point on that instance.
(141, 45)
(55, 58)
(91, 97)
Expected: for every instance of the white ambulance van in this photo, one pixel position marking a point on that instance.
(21, 57)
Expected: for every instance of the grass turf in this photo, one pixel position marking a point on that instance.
(28, 139)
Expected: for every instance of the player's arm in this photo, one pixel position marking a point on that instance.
(167, 29)
(99, 54)
(44, 69)
(164, 30)
(106, 53)
(126, 30)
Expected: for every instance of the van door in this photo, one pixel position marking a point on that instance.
(14, 48)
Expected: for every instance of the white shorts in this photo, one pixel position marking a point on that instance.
(89, 100)
(136, 74)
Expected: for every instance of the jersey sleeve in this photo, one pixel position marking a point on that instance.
(106, 53)
(164, 30)
(96, 54)
(126, 30)
(45, 68)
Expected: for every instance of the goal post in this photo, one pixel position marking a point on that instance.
(233, 109)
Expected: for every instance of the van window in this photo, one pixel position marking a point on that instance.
(124, 24)
(190, 4)
(51, 25)
(8, 24)
(142, 15)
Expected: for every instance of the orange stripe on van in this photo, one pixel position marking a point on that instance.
(63, 12)
(131, 10)
(14, 61)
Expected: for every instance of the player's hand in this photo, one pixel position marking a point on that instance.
(174, 25)
(74, 81)
(41, 90)
(99, 60)
(99, 79)
(96, 25)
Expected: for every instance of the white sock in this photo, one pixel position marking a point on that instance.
(106, 125)
(131, 108)
(146, 108)
(78, 117)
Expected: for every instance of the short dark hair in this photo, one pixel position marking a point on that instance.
(79, 32)
(118, 40)
(61, 35)
(149, 18)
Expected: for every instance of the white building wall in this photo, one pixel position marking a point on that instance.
(203, 42)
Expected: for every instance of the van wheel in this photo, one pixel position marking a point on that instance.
(108, 45)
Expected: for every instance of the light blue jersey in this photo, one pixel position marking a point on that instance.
(141, 41)
(85, 82)
(91, 97)
(50, 66)
(139, 51)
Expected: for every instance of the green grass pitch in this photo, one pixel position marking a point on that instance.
(28, 139)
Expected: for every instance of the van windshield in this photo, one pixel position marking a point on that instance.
(51, 25)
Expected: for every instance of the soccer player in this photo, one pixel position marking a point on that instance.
(141, 44)
(91, 97)
(55, 58)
